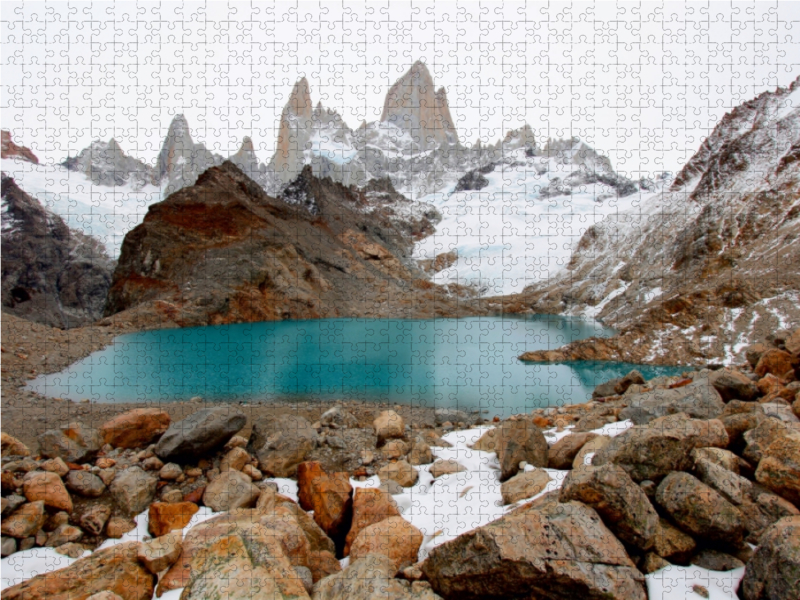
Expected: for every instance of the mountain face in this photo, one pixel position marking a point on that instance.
(8, 149)
(699, 270)
(104, 163)
(223, 251)
(51, 274)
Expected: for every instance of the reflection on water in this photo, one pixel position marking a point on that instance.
(467, 363)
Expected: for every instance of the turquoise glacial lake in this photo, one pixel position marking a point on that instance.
(468, 363)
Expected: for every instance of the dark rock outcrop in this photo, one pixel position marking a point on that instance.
(51, 274)
(223, 251)
(8, 149)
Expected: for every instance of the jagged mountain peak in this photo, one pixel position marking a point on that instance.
(415, 107)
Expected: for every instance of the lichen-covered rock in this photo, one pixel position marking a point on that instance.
(665, 445)
(135, 428)
(699, 400)
(74, 443)
(48, 487)
(168, 516)
(116, 569)
(389, 425)
(519, 441)
(774, 570)
(779, 469)
(562, 454)
(393, 537)
(26, 521)
(524, 485)
(623, 506)
(699, 510)
(561, 551)
(231, 489)
(133, 490)
(370, 506)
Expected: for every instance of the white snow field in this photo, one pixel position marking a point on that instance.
(516, 231)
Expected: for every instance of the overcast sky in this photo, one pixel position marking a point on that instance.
(642, 83)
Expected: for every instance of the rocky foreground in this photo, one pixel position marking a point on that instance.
(598, 500)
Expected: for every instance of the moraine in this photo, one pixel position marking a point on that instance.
(469, 363)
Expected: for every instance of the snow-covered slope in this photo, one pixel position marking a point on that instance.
(516, 221)
(106, 212)
(700, 270)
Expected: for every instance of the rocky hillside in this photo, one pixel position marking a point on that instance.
(8, 149)
(51, 274)
(700, 270)
(674, 487)
(223, 251)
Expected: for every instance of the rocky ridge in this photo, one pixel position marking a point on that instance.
(51, 274)
(696, 272)
(8, 149)
(298, 256)
(602, 512)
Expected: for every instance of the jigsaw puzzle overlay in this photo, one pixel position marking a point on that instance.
(400, 300)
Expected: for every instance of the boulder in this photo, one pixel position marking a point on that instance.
(231, 489)
(322, 564)
(331, 497)
(400, 472)
(792, 343)
(519, 441)
(199, 434)
(11, 446)
(133, 490)
(618, 386)
(487, 442)
(55, 465)
(698, 400)
(338, 418)
(714, 560)
(389, 425)
(739, 417)
(560, 551)
(161, 552)
(421, 453)
(283, 525)
(370, 577)
(116, 527)
(780, 411)
(447, 466)
(169, 516)
(590, 448)
(306, 472)
(74, 443)
(524, 485)
(235, 459)
(26, 521)
(116, 569)
(94, 519)
(763, 435)
(621, 504)
(772, 572)
(753, 353)
(48, 487)
(733, 385)
(776, 362)
(135, 428)
(699, 510)
(452, 415)
(282, 443)
(665, 445)
(318, 541)
(236, 567)
(393, 537)
(718, 456)
(63, 534)
(394, 449)
(85, 483)
(733, 487)
(671, 543)
(562, 453)
(370, 506)
(170, 472)
(779, 469)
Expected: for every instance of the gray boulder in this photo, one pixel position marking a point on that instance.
(133, 490)
(623, 505)
(282, 443)
(519, 441)
(75, 443)
(558, 551)
(199, 434)
(698, 400)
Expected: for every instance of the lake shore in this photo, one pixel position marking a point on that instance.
(30, 349)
